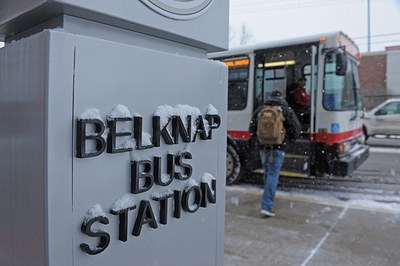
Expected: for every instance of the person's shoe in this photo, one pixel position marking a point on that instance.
(268, 213)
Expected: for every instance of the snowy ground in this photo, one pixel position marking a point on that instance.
(388, 203)
(309, 229)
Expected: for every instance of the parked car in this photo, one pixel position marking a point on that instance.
(384, 119)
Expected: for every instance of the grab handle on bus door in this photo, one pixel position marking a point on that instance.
(355, 115)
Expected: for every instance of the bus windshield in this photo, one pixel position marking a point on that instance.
(341, 93)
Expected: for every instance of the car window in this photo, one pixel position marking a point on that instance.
(389, 109)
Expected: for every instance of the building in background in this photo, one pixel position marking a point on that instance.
(380, 76)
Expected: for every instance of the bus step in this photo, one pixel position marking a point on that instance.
(286, 173)
(296, 156)
(295, 174)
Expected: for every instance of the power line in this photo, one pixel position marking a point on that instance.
(247, 7)
(273, 6)
(378, 35)
(376, 42)
(274, 3)
(287, 3)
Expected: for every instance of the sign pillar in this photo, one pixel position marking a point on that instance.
(113, 135)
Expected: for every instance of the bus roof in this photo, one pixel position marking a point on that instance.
(332, 40)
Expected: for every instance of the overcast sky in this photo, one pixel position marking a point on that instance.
(271, 20)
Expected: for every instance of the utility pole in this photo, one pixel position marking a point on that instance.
(369, 25)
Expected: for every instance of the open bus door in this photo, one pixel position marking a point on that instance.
(300, 154)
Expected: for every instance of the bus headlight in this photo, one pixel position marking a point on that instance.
(344, 147)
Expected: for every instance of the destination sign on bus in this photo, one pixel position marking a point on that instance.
(237, 62)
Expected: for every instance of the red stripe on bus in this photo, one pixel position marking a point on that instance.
(237, 134)
(331, 138)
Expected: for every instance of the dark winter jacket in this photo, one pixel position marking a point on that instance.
(291, 123)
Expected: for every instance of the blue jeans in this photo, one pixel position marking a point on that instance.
(272, 161)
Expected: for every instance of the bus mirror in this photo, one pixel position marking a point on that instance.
(341, 64)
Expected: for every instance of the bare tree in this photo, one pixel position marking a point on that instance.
(240, 35)
(246, 35)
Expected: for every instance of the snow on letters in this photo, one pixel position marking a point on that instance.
(207, 178)
(181, 110)
(90, 113)
(159, 194)
(126, 201)
(119, 111)
(191, 183)
(95, 211)
(211, 110)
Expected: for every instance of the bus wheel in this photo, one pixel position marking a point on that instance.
(233, 166)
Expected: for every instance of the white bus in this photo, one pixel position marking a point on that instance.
(332, 140)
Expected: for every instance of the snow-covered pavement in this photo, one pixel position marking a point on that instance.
(318, 229)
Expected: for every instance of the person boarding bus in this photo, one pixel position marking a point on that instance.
(274, 125)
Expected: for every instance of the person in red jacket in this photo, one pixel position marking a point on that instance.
(301, 100)
(301, 97)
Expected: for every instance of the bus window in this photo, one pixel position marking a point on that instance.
(278, 69)
(266, 81)
(258, 93)
(339, 91)
(307, 75)
(238, 88)
(274, 80)
(359, 99)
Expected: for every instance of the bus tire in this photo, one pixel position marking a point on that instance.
(234, 169)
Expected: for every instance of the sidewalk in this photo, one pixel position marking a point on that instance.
(309, 231)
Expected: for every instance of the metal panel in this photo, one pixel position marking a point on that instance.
(59, 117)
(108, 74)
(22, 152)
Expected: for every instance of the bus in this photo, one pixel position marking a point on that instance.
(332, 139)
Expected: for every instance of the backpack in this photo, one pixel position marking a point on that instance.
(270, 129)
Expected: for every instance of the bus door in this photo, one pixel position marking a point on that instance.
(294, 62)
(299, 157)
